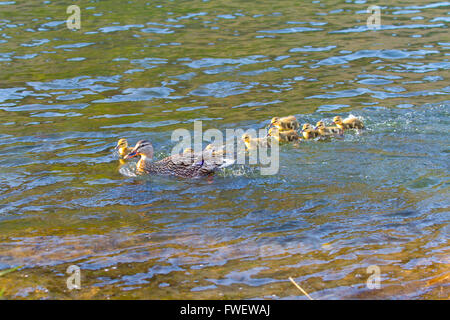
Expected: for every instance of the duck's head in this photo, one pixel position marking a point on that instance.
(143, 148)
(320, 125)
(337, 120)
(274, 121)
(213, 147)
(246, 137)
(122, 143)
(306, 127)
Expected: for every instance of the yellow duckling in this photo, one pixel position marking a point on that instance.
(284, 136)
(325, 131)
(351, 122)
(286, 123)
(309, 132)
(122, 147)
(215, 149)
(252, 143)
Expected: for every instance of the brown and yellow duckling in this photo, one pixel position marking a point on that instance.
(122, 147)
(327, 132)
(253, 143)
(210, 148)
(308, 132)
(284, 136)
(215, 149)
(186, 165)
(285, 123)
(351, 122)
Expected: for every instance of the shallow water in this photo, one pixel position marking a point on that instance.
(142, 69)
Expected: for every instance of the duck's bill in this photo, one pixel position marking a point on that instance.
(315, 128)
(116, 147)
(131, 155)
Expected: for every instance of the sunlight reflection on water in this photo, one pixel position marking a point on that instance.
(335, 207)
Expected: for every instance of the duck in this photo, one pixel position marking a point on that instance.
(325, 131)
(286, 123)
(309, 132)
(351, 122)
(186, 165)
(283, 136)
(122, 147)
(253, 143)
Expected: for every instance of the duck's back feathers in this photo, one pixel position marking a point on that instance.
(187, 165)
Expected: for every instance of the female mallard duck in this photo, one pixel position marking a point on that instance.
(186, 165)
(284, 136)
(286, 123)
(325, 131)
(308, 132)
(253, 143)
(122, 147)
(351, 122)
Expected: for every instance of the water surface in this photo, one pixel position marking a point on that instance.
(140, 69)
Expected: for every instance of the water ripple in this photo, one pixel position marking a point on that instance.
(335, 207)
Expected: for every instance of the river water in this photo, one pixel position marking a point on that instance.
(141, 69)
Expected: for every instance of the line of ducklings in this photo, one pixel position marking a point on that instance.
(286, 130)
(190, 164)
(282, 129)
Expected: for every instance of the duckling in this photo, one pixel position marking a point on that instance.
(308, 132)
(284, 136)
(286, 123)
(325, 131)
(215, 149)
(253, 143)
(351, 122)
(188, 150)
(122, 147)
(190, 165)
